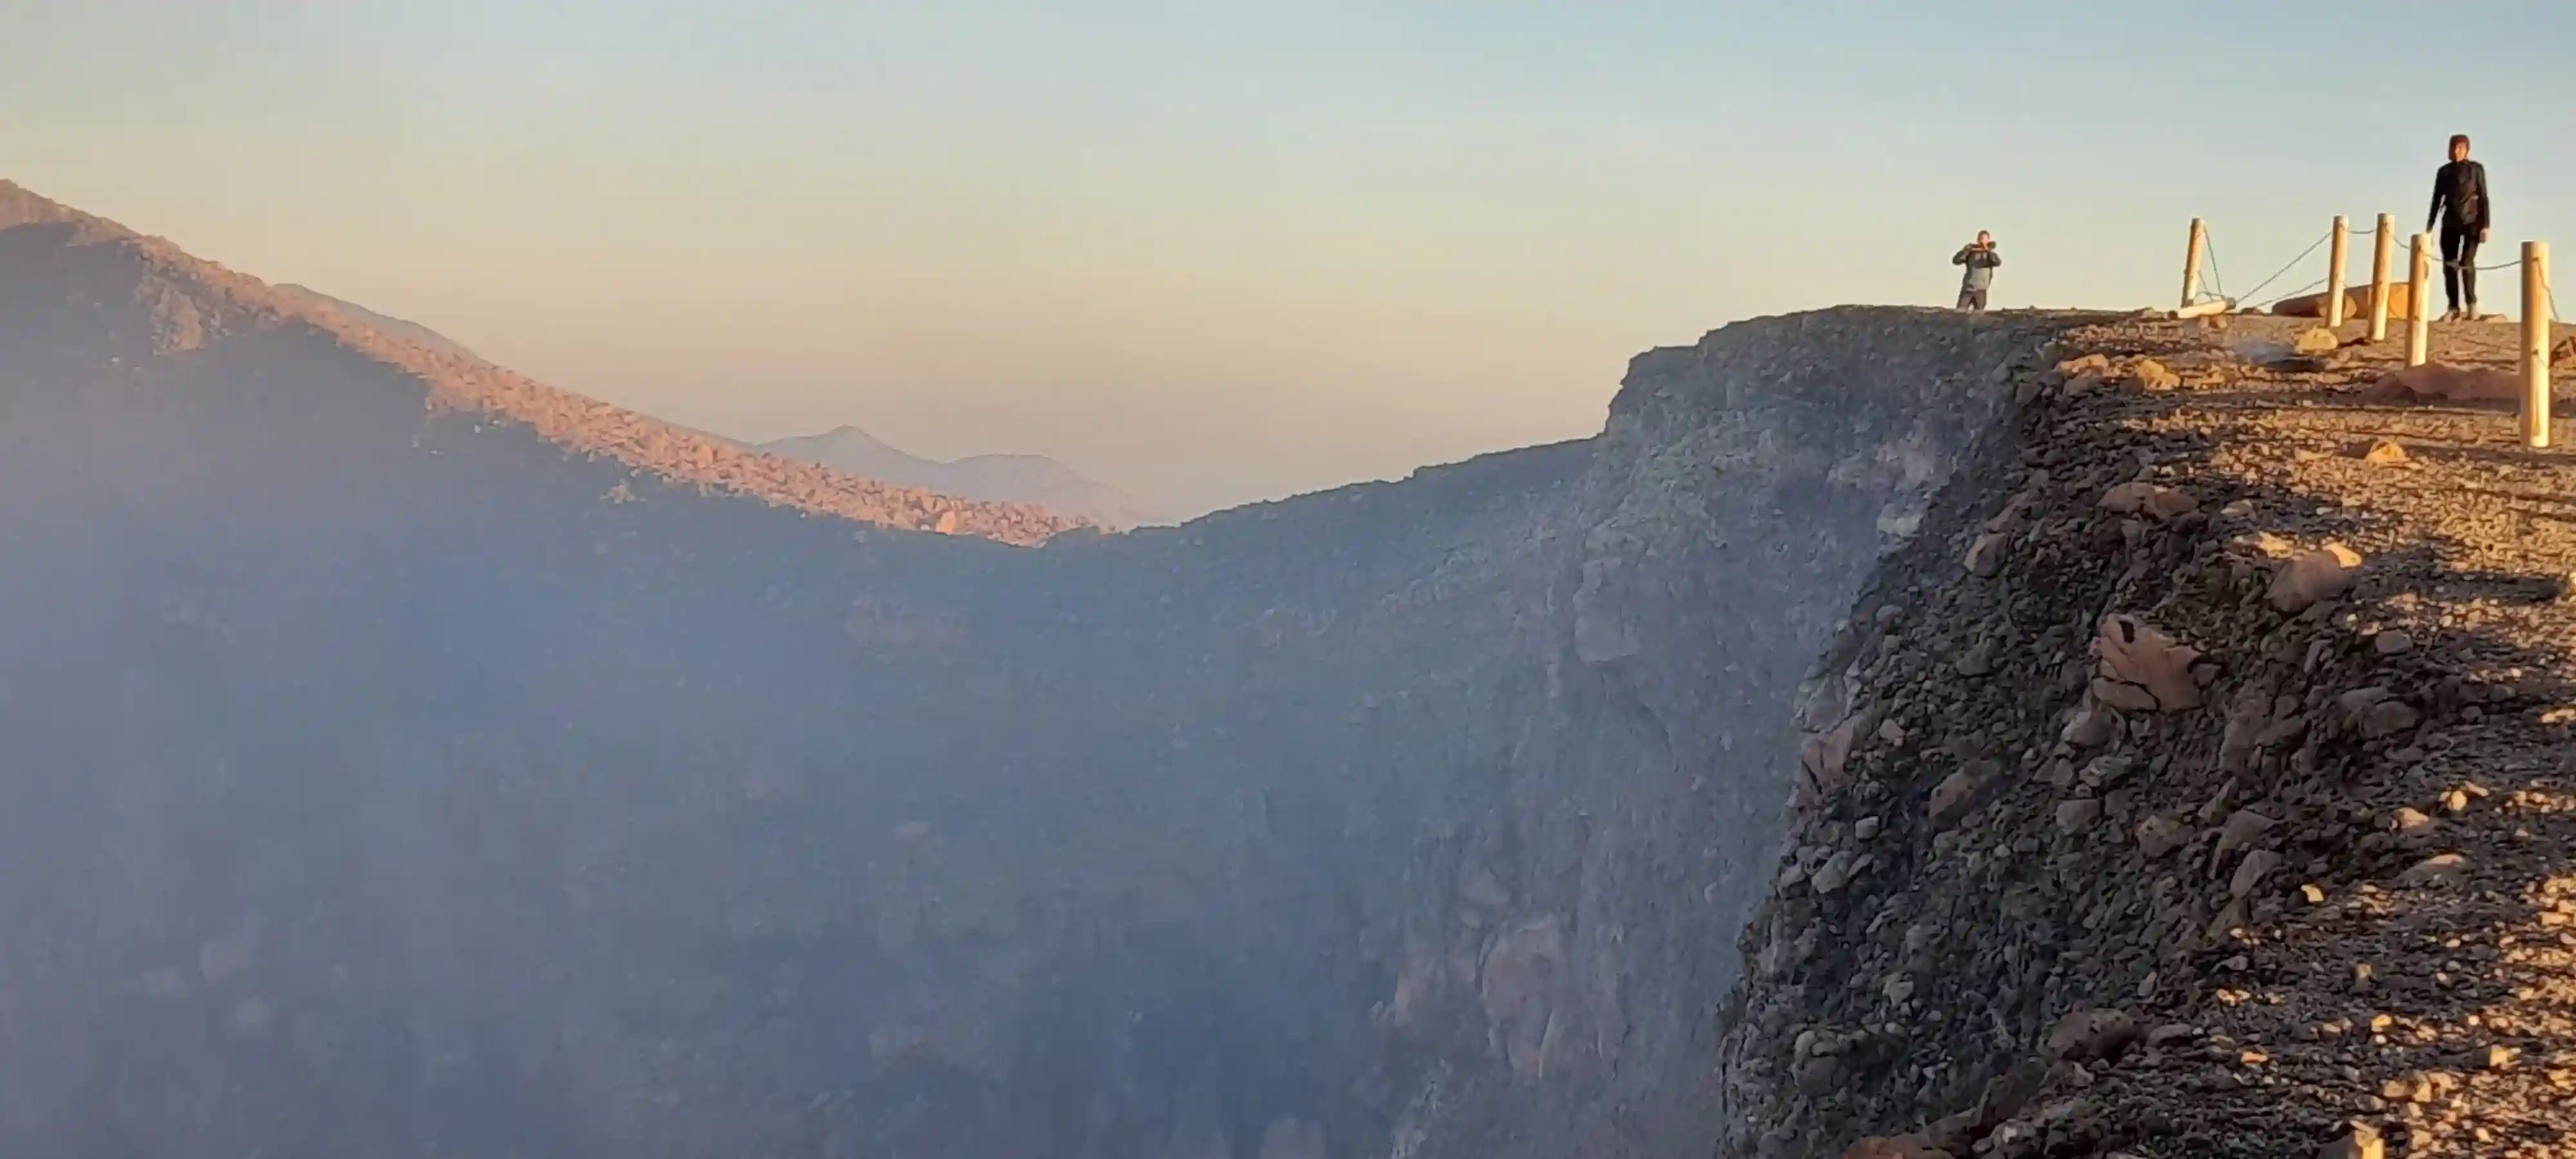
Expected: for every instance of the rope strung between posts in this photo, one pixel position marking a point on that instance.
(2216, 288)
(2286, 267)
(2318, 284)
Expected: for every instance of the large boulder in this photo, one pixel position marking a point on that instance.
(2434, 380)
(2356, 301)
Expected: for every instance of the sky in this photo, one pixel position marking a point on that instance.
(1219, 252)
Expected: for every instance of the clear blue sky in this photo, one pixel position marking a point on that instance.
(1214, 251)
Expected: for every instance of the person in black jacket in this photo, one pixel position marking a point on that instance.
(2461, 204)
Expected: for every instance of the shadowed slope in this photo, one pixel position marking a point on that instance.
(388, 775)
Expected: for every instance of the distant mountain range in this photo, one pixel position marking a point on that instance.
(313, 299)
(1025, 479)
(1034, 480)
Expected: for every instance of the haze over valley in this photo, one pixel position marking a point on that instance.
(664, 580)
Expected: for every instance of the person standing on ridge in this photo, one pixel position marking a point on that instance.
(2461, 205)
(1980, 258)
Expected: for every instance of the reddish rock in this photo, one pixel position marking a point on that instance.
(2144, 670)
(2436, 382)
(2312, 576)
(1900, 1147)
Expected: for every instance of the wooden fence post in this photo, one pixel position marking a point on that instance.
(2191, 263)
(2335, 255)
(2383, 262)
(2536, 318)
(2419, 284)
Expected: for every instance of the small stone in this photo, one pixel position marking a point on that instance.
(2408, 820)
(2392, 642)
(2090, 1034)
(2089, 729)
(2502, 1057)
(2250, 874)
(2388, 718)
(2242, 830)
(1986, 553)
(1866, 828)
(2076, 816)
(1833, 875)
(2265, 544)
(2439, 869)
(2385, 453)
(2170, 1032)
(1950, 797)
(2313, 576)
(2359, 1141)
(2160, 835)
(2315, 340)
(1891, 733)
(2313, 893)
(1898, 987)
(1979, 660)
(2150, 374)
(1819, 1076)
(2150, 499)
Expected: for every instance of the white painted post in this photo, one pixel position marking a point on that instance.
(2336, 253)
(2383, 262)
(2536, 318)
(2191, 263)
(2419, 286)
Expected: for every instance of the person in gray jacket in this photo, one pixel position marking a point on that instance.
(1980, 258)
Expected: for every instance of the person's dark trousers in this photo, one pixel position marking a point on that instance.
(2460, 264)
(1972, 300)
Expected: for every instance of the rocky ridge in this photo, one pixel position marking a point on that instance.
(2201, 786)
(194, 302)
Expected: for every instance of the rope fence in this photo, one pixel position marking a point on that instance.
(2539, 299)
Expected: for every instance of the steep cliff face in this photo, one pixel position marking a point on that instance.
(2196, 784)
(390, 775)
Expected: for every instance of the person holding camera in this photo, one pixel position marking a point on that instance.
(1980, 258)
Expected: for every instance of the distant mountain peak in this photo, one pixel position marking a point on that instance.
(400, 328)
(1007, 478)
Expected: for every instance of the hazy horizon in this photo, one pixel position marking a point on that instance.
(1211, 256)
